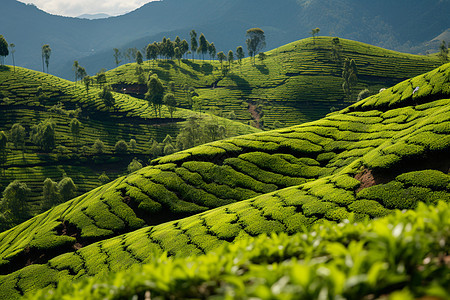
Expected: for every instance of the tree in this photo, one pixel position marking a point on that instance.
(121, 147)
(170, 102)
(443, 52)
(262, 56)
(336, 49)
(3, 143)
(155, 94)
(134, 165)
(194, 43)
(178, 55)
(184, 48)
(197, 104)
(139, 58)
(13, 50)
(117, 56)
(101, 79)
(314, 32)
(15, 200)
(133, 145)
(107, 96)
(87, 80)
(152, 52)
(46, 52)
(4, 52)
(50, 196)
(349, 74)
(43, 134)
(230, 58)
(240, 54)
(66, 188)
(363, 94)
(203, 46)
(256, 41)
(104, 178)
(81, 72)
(75, 127)
(75, 68)
(212, 50)
(98, 147)
(18, 135)
(221, 57)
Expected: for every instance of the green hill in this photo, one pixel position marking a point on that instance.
(29, 97)
(296, 83)
(389, 151)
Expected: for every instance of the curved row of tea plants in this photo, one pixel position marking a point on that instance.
(359, 163)
(370, 259)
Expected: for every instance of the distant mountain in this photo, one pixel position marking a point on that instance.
(94, 16)
(398, 25)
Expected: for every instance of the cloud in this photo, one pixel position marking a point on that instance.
(75, 8)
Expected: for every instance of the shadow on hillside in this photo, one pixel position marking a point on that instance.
(242, 84)
(205, 67)
(4, 68)
(262, 69)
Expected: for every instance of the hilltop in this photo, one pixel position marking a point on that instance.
(298, 82)
(29, 97)
(389, 151)
(391, 24)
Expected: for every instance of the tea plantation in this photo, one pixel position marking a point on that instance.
(295, 83)
(389, 151)
(28, 97)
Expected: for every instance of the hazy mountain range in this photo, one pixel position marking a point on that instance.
(405, 25)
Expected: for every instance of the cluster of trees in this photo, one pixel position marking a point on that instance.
(177, 49)
(15, 207)
(443, 52)
(5, 49)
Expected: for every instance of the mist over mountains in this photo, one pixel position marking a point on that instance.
(398, 25)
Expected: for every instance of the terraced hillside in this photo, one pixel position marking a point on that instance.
(296, 83)
(387, 152)
(28, 97)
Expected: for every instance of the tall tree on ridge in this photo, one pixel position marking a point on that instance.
(75, 67)
(203, 46)
(184, 48)
(117, 56)
(443, 52)
(212, 50)
(230, 58)
(314, 32)
(349, 74)
(221, 57)
(256, 41)
(194, 44)
(152, 52)
(13, 49)
(46, 52)
(139, 58)
(4, 52)
(240, 54)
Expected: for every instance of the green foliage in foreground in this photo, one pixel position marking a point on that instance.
(401, 255)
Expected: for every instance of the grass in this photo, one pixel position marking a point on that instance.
(354, 164)
(296, 83)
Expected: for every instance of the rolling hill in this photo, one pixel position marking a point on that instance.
(389, 151)
(29, 97)
(390, 24)
(296, 83)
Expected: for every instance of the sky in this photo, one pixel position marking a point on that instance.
(74, 8)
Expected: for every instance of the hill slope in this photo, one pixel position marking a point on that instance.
(386, 152)
(296, 83)
(28, 97)
(390, 24)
